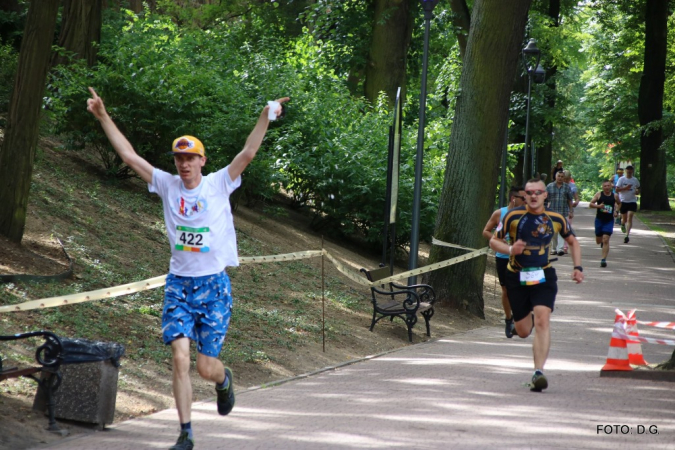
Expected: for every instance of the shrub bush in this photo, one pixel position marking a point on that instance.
(329, 153)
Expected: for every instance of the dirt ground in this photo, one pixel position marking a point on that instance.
(145, 388)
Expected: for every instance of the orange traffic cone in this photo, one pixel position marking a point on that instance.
(620, 316)
(634, 347)
(617, 356)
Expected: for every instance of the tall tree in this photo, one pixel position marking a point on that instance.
(461, 20)
(9, 28)
(18, 149)
(392, 31)
(80, 31)
(650, 108)
(137, 5)
(472, 170)
(9, 5)
(545, 151)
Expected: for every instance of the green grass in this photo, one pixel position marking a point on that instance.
(664, 216)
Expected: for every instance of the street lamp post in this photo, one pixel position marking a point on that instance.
(531, 58)
(428, 7)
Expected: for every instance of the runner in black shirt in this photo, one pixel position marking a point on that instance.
(607, 204)
(531, 282)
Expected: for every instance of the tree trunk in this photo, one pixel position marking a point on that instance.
(386, 67)
(9, 29)
(472, 170)
(136, 5)
(9, 5)
(18, 148)
(80, 29)
(545, 150)
(654, 192)
(462, 22)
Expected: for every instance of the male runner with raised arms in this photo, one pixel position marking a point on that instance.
(197, 295)
(531, 281)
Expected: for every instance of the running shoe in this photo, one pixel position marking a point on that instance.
(184, 442)
(510, 328)
(561, 253)
(539, 381)
(603, 263)
(225, 397)
(623, 228)
(626, 240)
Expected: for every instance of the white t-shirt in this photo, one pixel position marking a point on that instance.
(198, 222)
(628, 196)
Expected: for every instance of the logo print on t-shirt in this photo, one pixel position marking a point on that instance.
(190, 209)
(543, 228)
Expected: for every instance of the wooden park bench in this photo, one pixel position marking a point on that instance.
(45, 373)
(395, 300)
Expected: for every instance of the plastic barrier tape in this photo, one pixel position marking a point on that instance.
(668, 325)
(282, 257)
(99, 294)
(646, 340)
(159, 281)
(435, 241)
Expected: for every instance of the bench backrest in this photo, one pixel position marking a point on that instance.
(378, 274)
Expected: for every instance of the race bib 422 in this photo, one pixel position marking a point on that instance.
(192, 239)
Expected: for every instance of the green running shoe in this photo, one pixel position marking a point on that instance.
(539, 381)
(184, 442)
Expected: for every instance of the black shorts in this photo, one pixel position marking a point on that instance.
(501, 269)
(626, 206)
(523, 299)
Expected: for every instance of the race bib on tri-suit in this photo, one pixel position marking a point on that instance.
(192, 239)
(530, 276)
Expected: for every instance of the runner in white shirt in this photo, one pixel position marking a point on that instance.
(628, 188)
(197, 296)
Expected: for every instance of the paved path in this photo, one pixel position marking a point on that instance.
(467, 391)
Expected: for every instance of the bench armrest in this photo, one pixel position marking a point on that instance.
(425, 292)
(411, 303)
(49, 354)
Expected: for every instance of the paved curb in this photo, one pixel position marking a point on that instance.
(641, 374)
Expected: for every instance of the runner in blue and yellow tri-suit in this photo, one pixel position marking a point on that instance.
(531, 281)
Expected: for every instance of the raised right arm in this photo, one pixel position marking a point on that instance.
(120, 143)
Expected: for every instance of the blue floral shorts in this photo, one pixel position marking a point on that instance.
(198, 308)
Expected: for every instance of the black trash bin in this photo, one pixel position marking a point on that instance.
(76, 351)
(89, 387)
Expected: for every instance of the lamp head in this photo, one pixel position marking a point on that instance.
(539, 74)
(531, 53)
(429, 5)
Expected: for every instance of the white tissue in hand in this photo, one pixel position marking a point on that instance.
(274, 106)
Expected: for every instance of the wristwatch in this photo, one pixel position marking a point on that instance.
(579, 268)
